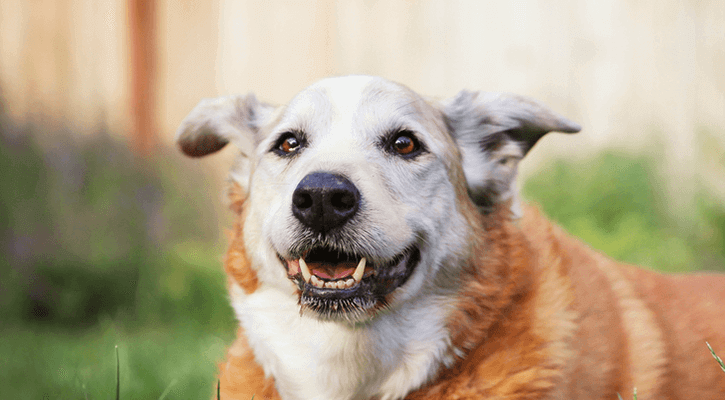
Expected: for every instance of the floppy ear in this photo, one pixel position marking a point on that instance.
(494, 131)
(215, 122)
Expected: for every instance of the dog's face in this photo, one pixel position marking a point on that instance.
(356, 188)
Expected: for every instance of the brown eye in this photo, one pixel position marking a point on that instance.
(287, 145)
(404, 144)
(290, 145)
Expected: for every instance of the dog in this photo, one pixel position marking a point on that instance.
(380, 251)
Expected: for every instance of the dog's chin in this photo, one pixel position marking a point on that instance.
(337, 286)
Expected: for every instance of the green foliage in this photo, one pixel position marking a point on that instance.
(100, 249)
(84, 222)
(616, 204)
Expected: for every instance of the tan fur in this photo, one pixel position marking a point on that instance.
(236, 263)
(240, 377)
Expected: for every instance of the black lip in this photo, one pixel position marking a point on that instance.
(364, 298)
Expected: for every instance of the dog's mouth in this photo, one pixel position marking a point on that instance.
(338, 285)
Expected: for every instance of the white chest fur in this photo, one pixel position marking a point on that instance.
(310, 359)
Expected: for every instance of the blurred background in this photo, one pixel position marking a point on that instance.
(108, 236)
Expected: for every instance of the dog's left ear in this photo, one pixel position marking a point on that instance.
(213, 123)
(494, 131)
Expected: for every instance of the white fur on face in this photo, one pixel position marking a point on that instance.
(403, 202)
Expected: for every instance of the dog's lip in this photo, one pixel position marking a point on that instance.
(347, 296)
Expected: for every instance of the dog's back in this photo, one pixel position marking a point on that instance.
(588, 327)
(660, 322)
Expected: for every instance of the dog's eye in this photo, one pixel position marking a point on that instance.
(288, 144)
(405, 144)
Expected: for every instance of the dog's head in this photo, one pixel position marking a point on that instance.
(357, 188)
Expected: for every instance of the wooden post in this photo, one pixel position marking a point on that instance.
(142, 19)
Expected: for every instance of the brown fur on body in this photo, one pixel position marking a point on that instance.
(541, 315)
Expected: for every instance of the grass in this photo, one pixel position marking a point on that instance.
(634, 394)
(718, 359)
(38, 362)
(106, 250)
(616, 203)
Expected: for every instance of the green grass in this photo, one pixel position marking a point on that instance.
(718, 359)
(39, 362)
(168, 346)
(102, 249)
(616, 203)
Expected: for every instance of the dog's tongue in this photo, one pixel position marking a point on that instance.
(332, 271)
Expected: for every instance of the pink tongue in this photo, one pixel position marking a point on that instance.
(332, 271)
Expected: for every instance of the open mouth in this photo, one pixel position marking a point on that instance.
(335, 284)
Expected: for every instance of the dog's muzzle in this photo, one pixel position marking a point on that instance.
(333, 283)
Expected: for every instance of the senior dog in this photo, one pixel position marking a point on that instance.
(380, 251)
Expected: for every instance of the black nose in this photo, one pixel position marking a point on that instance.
(323, 201)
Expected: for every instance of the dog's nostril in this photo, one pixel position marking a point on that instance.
(343, 200)
(302, 200)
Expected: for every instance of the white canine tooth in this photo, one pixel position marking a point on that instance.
(359, 270)
(350, 283)
(330, 285)
(315, 281)
(305, 271)
(340, 284)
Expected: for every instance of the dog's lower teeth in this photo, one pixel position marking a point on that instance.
(338, 284)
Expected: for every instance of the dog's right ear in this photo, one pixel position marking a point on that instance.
(494, 131)
(213, 123)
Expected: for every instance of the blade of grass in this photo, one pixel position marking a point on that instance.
(118, 376)
(619, 396)
(168, 389)
(218, 384)
(719, 360)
